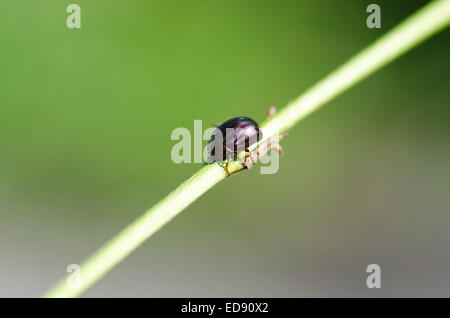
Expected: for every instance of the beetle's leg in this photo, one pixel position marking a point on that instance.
(243, 161)
(261, 152)
(263, 149)
(249, 160)
(271, 111)
(226, 167)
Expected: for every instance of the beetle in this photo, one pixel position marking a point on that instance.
(238, 134)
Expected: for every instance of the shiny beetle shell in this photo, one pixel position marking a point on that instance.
(238, 134)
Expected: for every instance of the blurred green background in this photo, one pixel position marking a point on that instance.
(85, 122)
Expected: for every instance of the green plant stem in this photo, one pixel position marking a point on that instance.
(427, 21)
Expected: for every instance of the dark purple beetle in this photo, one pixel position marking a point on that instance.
(233, 136)
(238, 134)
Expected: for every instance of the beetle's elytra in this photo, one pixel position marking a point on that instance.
(237, 134)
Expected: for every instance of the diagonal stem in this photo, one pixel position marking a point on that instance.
(421, 25)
